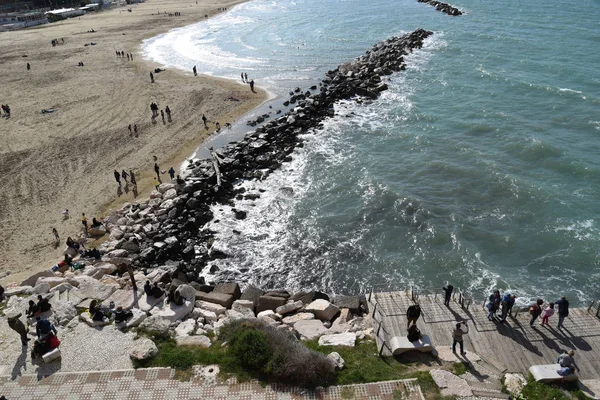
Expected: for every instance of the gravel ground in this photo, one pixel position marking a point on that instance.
(83, 348)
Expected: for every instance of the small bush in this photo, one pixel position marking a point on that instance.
(280, 356)
(250, 347)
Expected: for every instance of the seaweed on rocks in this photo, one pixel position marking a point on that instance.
(169, 227)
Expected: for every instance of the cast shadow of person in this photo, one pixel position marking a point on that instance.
(134, 191)
(515, 333)
(21, 363)
(119, 191)
(572, 340)
(45, 370)
(126, 188)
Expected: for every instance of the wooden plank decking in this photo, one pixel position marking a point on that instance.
(510, 347)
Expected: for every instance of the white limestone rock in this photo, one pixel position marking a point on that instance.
(270, 314)
(337, 360)
(63, 312)
(215, 308)
(147, 303)
(292, 319)
(207, 315)
(52, 281)
(170, 194)
(450, 384)
(186, 328)
(187, 292)
(338, 339)
(289, 308)
(138, 317)
(310, 329)
(17, 290)
(157, 325)
(42, 288)
(173, 312)
(514, 383)
(143, 349)
(322, 309)
(62, 287)
(123, 298)
(242, 306)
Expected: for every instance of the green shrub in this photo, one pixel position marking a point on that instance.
(250, 347)
(280, 356)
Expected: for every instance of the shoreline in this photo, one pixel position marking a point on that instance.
(80, 138)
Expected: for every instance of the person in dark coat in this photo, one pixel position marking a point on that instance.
(148, 289)
(117, 177)
(447, 293)
(493, 304)
(157, 292)
(412, 314)
(414, 334)
(563, 310)
(43, 328)
(535, 310)
(16, 325)
(43, 304)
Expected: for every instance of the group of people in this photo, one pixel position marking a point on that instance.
(245, 80)
(154, 109)
(506, 301)
(5, 110)
(122, 54)
(45, 332)
(133, 131)
(101, 313)
(124, 175)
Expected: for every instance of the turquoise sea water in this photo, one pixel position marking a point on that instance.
(479, 166)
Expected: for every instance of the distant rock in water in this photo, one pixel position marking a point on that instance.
(443, 7)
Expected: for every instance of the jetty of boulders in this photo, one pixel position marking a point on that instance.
(443, 7)
(169, 227)
(164, 240)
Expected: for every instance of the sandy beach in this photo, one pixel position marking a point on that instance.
(65, 159)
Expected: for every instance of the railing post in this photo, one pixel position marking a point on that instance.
(598, 310)
(378, 329)
(374, 309)
(370, 293)
(591, 305)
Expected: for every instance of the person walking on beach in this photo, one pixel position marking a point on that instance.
(28, 67)
(84, 221)
(172, 173)
(162, 114)
(117, 177)
(135, 132)
(246, 77)
(55, 233)
(195, 72)
(242, 74)
(17, 325)
(535, 310)
(168, 112)
(204, 120)
(156, 183)
(124, 175)
(457, 336)
(132, 177)
(127, 56)
(447, 293)
(218, 126)
(157, 170)
(412, 314)
(130, 132)
(563, 311)
(131, 55)
(547, 313)
(252, 86)
(151, 77)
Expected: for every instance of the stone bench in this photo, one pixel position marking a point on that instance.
(547, 373)
(401, 344)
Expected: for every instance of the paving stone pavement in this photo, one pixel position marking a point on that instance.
(158, 384)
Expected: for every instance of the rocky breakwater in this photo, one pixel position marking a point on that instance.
(443, 7)
(168, 229)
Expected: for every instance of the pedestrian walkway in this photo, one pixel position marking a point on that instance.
(159, 384)
(512, 346)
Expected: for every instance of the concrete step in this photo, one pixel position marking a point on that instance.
(492, 386)
(489, 394)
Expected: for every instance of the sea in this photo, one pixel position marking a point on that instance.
(480, 166)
